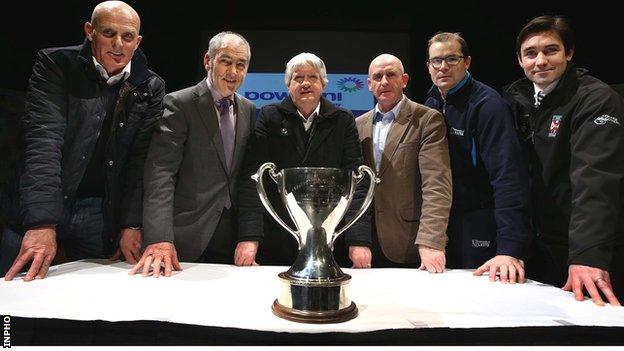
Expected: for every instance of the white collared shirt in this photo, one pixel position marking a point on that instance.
(123, 75)
(307, 122)
(544, 91)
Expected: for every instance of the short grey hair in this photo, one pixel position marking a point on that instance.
(305, 58)
(216, 43)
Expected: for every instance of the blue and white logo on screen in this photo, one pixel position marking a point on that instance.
(345, 90)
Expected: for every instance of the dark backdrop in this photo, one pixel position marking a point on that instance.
(172, 32)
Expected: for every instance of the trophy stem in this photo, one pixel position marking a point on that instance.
(315, 260)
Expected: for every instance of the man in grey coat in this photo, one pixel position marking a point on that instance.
(193, 163)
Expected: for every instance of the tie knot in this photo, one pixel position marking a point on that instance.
(223, 105)
(538, 98)
(386, 117)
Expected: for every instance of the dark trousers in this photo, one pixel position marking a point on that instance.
(221, 247)
(471, 238)
(81, 234)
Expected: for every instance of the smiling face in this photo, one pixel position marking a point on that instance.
(386, 80)
(543, 58)
(227, 70)
(306, 87)
(114, 38)
(447, 76)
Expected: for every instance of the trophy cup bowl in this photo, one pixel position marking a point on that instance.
(314, 289)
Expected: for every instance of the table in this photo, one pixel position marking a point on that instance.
(222, 304)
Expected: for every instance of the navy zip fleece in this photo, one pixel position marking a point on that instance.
(488, 168)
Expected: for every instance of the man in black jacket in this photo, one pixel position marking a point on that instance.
(573, 137)
(304, 130)
(88, 120)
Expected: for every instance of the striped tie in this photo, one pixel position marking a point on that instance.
(538, 98)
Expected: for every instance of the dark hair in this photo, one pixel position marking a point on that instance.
(558, 24)
(443, 37)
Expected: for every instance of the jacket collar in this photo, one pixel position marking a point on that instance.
(207, 113)
(523, 89)
(327, 110)
(138, 74)
(457, 91)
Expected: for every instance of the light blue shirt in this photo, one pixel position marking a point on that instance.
(382, 123)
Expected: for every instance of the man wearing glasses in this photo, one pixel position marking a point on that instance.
(488, 222)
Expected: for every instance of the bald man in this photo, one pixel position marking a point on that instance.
(405, 142)
(90, 111)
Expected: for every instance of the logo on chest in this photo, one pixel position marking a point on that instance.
(455, 131)
(602, 120)
(555, 123)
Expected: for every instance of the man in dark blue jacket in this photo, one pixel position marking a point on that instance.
(90, 111)
(488, 225)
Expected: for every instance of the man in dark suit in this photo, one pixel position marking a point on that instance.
(193, 164)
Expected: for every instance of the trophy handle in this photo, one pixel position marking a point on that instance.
(264, 198)
(357, 177)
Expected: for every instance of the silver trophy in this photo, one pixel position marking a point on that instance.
(314, 289)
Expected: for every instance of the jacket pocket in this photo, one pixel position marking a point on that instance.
(410, 214)
(183, 202)
(406, 145)
(407, 155)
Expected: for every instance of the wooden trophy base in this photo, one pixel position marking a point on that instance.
(317, 317)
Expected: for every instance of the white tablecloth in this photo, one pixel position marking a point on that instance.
(241, 297)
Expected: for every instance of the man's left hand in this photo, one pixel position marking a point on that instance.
(510, 269)
(129, 246)
(360, 256)
(432, 260)
(592, 279)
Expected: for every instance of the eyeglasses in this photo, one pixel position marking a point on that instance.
(450, 60)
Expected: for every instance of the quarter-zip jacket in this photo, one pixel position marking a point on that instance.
(486, 161)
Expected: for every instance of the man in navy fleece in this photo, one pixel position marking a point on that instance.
(488, 227)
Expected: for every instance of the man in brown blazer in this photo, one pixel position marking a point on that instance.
(405, 142)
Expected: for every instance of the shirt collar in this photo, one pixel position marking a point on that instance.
(395, 110)
(314, 113)
(546, 90)
(123, 75)
(216, 95)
